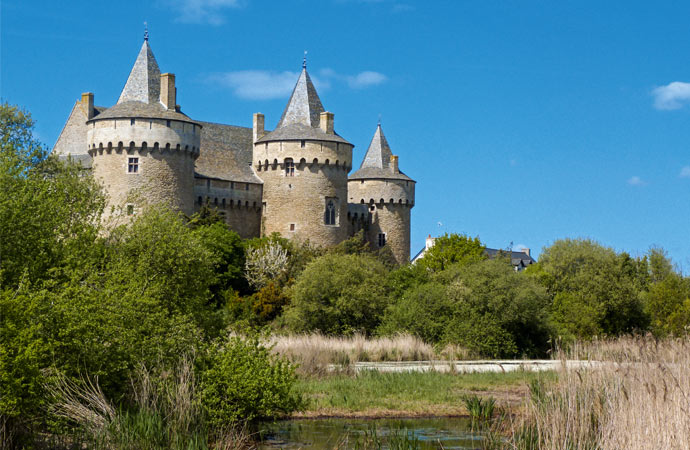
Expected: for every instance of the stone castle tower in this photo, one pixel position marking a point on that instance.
(303, 164)
(292, 180)
(143, 144)
(389, 193)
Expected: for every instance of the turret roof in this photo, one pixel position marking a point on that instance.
(144, 82)
(302, 115)
(377, 161)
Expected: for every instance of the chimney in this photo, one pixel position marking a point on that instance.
(394, 163)
(258, 126)
(168, 91)
(326, 122)
(526, 251)
(429, 242)
(87, 104)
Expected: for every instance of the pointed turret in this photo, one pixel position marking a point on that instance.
(144, 82)
(304, 106)
(304, 117)
(379, 161)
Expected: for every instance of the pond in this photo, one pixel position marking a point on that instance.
(322, 434)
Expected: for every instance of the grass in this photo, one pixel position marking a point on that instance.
(636, 397)
(314, 353)
(374, 394)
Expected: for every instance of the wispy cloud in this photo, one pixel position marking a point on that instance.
(266, 85)
(201, 11)
(685, 172)
(672, 96)
(636, 181)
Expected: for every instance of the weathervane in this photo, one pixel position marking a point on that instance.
(146, 32)
(304, 61)
(379, 119)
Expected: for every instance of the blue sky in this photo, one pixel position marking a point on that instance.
(522, 122)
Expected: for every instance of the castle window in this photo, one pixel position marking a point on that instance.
(301, 144)
(208, 185)
(329, 214)
(382, 239)
(232, 185)
(289, 167)
(200, 200)
(246, 187)
(215, 201)
(133, 165)
(223, 203)
(130, 210)
(266, 145)
(132, 121)
(292, 227)
(167, 123)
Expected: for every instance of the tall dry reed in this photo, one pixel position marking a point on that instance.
(315, 353)
(634, 395)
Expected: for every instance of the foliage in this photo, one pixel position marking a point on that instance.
(452, 249)
(228, 250)
(595, 290)
(668, 304)
(423, 310)
(339, 294)
(49, 210)
(265, 263)
(242, 381)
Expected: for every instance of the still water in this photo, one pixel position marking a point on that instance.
(322, 434)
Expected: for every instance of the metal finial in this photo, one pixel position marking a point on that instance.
(304, 60)
(379, 119)
(146, 31)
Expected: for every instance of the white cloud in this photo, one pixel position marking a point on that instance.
(202, 11)
(672, 96)
(636, 181)
(365, 79)
(257, 84)
(266, 85)
(685, 172)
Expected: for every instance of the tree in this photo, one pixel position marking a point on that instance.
(49, 210)
(594, 290)
(452, 249)
(339, 294)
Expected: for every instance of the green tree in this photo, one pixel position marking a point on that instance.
(498, 312)
(227, 249)
(339, 294)
(594, 289)
(452, 249)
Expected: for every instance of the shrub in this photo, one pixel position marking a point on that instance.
(242, 381)
(339, 294)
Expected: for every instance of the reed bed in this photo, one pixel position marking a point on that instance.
(316, 353)
(637, 396)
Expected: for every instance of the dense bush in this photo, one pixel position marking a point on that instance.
(242, 381)
(339, 294)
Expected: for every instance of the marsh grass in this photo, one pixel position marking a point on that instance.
(165, 414)
(316, 354)
(636, 395)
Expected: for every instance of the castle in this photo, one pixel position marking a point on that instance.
(292, 180)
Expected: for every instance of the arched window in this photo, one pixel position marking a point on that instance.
(289, 167)
(329, 216)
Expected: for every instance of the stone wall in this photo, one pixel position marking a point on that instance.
(238, 202)
(295, 206)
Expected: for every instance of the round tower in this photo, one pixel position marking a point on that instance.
(143, 148)
(304, 165)
(389, 194)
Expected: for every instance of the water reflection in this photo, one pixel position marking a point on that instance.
(321, 434)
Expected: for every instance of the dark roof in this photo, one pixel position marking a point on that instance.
(226, 153)
(302, 116)
(515, 257)
(144, 81)
(136, 109)
(377, 161)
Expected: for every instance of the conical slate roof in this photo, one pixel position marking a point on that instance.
(144, 82)
(302, 115)
(140, 98)
(304, 106)
(377, 161)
